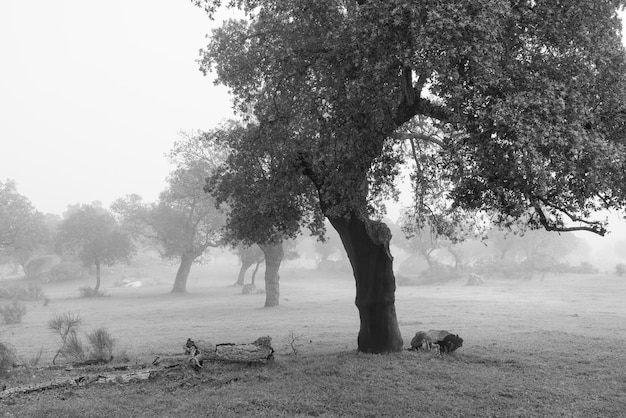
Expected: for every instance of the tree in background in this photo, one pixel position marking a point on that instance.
(24, 231)
(92, 234)
(530, 97)
(185, 222)
(248, 255)
(265, 207)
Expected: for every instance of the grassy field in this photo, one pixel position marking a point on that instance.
(531, 348)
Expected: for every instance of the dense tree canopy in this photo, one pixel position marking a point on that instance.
(530, 98)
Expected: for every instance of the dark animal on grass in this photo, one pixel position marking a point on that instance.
(450, 343)
(443, 341)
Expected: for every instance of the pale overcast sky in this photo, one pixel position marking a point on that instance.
(94, 93)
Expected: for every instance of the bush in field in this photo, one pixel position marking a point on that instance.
(72, 348)
(620, 269)
(438, 273)
(89, 292)
(39, 267)
(66, 325)
(31, 292)
(8, 359)
(13, 313)
(101, 344)
(67, 271)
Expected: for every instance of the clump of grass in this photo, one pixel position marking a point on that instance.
(13, 313)
(34, 361)
(66, 325)
(8, 359)
(101, 343)
(74, 348)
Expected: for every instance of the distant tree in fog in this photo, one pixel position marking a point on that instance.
(23, 230)
(264, 209)
(185, 222)
(249, 255)
(92, 234)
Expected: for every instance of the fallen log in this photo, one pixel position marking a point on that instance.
(77, 381)
(260, 351)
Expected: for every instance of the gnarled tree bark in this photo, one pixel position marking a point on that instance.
(367, 245)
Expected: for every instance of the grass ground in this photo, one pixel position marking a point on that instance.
(532, 348)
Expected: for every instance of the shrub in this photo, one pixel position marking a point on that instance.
(89, 292)
(101, 344)
(66, 326)
(73, 348)
(39, 267)
(67, 271)
(438, 273)
(13, 313)
(620, 269)
(8, 359)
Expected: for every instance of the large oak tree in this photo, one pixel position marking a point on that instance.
(530, 96)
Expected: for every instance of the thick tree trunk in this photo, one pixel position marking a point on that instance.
(180, 284)
(367, 245)
(273, 257)
(241, 279)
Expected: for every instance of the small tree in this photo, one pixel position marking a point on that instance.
(91, 233)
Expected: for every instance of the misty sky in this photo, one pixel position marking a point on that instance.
(94, 93)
